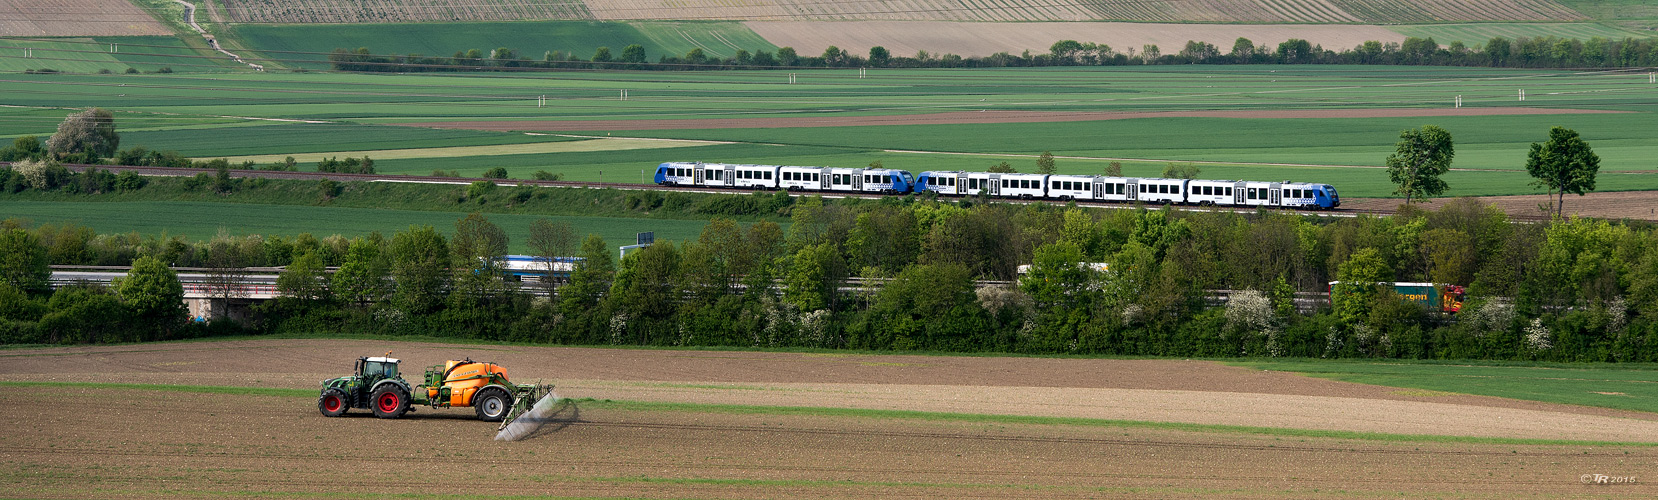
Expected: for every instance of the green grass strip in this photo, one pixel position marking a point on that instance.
(199, 389)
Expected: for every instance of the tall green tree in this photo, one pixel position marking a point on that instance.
(302, 285)
(419, 269)
(549, 240)
(364, 276)
(1420, 157)
(1564, 164)
(590, 278)
(154, 294)
(1359, 285)
(23, 262)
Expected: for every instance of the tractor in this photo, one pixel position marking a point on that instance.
(378, 386)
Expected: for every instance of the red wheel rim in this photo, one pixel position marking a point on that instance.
(388, 402)
(331, 403)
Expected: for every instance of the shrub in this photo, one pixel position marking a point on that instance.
(496, 173)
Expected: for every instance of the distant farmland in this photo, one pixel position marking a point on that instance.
(1169, 11)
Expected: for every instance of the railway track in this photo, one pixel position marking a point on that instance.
(426, 179)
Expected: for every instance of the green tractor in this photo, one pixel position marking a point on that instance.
(378, 386)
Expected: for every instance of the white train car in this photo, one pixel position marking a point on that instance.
(1214, 192)
(1019, 185)
(953, 182)
(802, 178)
(1166, 191)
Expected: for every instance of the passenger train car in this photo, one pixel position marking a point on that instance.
(1010, 185)
(829, 179)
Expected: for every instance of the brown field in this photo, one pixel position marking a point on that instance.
(1633, 205)
(384, 11)
(76, 18)
(960, 117)
(1206, 11)
(137, 442)
(982, 39)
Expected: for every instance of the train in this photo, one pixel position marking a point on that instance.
(1055, 187)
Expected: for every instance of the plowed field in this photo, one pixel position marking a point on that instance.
(697, 424)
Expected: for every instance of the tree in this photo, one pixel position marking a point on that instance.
(1295, 50)
(1360, 277)
(590, 278)
(1243, 49)
(1564, 164)
(419, 264)
(361, 279)
(87, 132)
(549, 240)
(1065, 52)
(1003, 168)
(302, 284)
(1045, 163)
(1114, 169)
(878, 56)
(813, 278)
(480, 255)
(152, 291)
(1422, 156)
(634, 53)
(1183, 170)
(602, 54)
(786, 56)
(496, 173)
(23, 262)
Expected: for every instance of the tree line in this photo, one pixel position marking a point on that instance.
(911, 273)
(1498, 52)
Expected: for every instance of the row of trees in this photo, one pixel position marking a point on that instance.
(1523, 52)
(907, 273)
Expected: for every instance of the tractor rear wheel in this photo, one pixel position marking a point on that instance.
(389, 401)
(492, 404)
(332, 403)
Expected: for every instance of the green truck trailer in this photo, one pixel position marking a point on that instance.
(1434, 296)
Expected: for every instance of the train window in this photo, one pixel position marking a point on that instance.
(816, 177)
(1229, 191)
(766, 175)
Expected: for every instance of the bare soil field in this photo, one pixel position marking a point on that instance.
(84, 441)
(1206, 11)
(978, 39)
(960, 117)
(1633, 205)
(76, 18)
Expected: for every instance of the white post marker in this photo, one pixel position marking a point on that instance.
(1459, 101)
(1522, 94)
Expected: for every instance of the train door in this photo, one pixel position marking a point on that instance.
(823, 179)
(697, 174)
(1133, 189)
(995, 184)
(960, 186)
(858, 180)
(730, 175)
(1099, 188)
(1238, 194)
(1275, 194)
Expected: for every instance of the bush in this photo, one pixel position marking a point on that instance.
(131, 71)
(479, 188)
(496, 173)
(543, 175)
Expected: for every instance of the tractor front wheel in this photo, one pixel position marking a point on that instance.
(390, 401)
(492, 404)
(332, 403)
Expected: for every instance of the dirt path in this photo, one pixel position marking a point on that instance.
(190, 18)
(1633, 205)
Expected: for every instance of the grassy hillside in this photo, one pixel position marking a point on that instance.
(1472, 34)
(91, 54)
(308, 45)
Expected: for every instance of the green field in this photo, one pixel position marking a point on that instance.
(307, 46)
(1479, 33)
(91, 54)
(188, 113)
(1621, 386)
(203, 220)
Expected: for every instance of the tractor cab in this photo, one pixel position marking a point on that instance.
(375, 368)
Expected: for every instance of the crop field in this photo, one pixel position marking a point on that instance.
(367, 11)
(307, 46)
(742, 425)
(203, 220)
(92, 54)
(1479, 33)
(1624, 388)
(76, 18)
(1333, 123)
